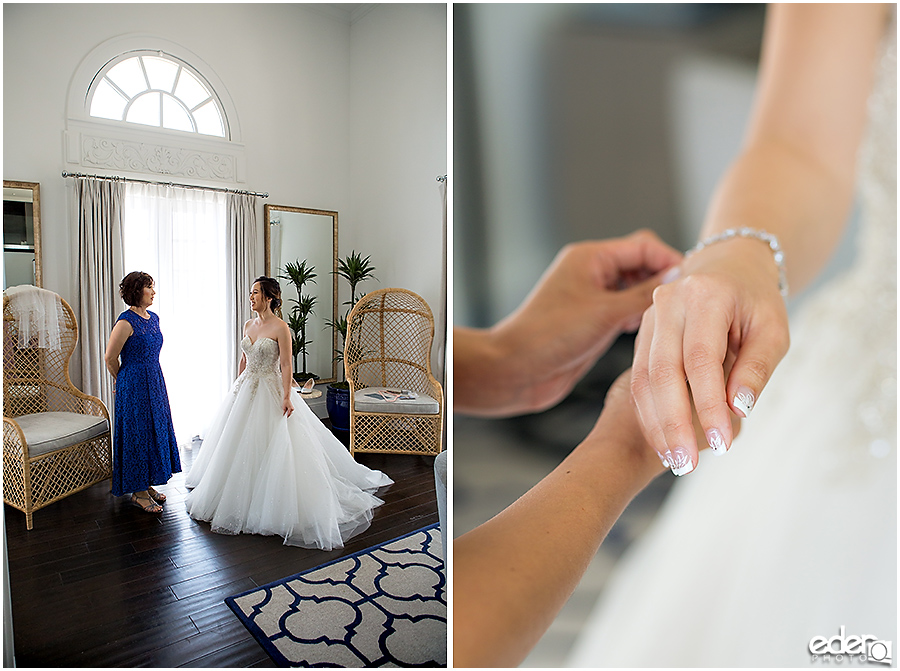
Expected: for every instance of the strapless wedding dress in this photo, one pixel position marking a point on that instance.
(260, 472)
(792, 534)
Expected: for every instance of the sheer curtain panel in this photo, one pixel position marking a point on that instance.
(100, 264)
(179, 237)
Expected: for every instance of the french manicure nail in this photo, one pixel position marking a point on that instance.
(679, 461)
(716, 441)
(671, 275)
(744, 400)
(664, 461)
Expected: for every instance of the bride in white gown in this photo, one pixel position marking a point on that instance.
(268, 465)
(793, 534)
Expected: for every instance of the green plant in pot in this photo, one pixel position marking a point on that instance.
(355, 270)
(298, 274)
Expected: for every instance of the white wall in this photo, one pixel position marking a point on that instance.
(398, 135)
(288, 69)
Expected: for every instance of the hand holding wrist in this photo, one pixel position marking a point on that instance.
(616, 441)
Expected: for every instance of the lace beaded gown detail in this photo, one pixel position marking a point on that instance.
(145, 451)
(793, 533)
(263, 473)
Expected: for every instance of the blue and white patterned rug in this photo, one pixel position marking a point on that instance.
(384, 606)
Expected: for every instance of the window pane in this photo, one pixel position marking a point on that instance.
(209, 122)
(190, 90)
(161, 72)
(107, 102)
(145, 110)
(155, 90)
(175, 116)
(129, 77)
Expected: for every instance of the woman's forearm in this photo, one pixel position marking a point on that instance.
(287, 366)
(286, 377)
(482, 384)
(795, 175)
(774, 188)
(514, 573)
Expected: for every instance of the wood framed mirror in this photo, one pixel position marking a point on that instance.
(21, 234)
(294, 235)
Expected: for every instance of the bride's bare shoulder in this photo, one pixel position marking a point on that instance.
(275, 329)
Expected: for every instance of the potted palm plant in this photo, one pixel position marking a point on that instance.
(355, 270)
(298, 274)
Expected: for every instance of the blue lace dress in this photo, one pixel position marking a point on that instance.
(145, 451)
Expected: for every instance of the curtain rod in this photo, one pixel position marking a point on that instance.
(183, 186)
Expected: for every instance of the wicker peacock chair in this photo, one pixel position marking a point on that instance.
(388, 349)
(56, 439)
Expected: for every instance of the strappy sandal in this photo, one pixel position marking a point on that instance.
(159, 497)
(151, 507)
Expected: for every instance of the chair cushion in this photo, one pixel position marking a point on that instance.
(369, 399)
(49, 431)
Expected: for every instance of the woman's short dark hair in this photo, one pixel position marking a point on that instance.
(131, 289)
(270, 289)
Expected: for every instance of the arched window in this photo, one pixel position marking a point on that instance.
(155, 89)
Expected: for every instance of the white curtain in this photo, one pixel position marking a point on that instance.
(241, 237)
(179, 236)
(100, 263)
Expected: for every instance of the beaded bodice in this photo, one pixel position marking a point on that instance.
(262, 356)
(873, 289)
(878, 169)
(262, 364)
(852, 322)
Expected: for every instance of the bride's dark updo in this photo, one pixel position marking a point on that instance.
(271, 290)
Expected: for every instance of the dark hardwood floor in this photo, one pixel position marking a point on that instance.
(99, 583)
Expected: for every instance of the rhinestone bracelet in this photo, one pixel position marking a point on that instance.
(764, 236)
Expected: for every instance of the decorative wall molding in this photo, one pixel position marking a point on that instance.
(156, 159)
(97, 147)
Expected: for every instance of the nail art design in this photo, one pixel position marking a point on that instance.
(665, 463)
(716, 441)
(679, 461)
(744, 401)
(671, 275)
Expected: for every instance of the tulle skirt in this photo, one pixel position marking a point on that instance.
(260, 472)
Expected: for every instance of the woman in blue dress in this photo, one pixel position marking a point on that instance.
(145, 451)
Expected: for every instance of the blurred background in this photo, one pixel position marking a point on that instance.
(577, 121)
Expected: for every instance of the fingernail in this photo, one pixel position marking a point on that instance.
(665, 463)
(716, 441)
(671, 275)
(744, 400)
(679, 461)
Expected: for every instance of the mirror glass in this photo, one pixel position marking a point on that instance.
(21, 233)
(294, 235)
